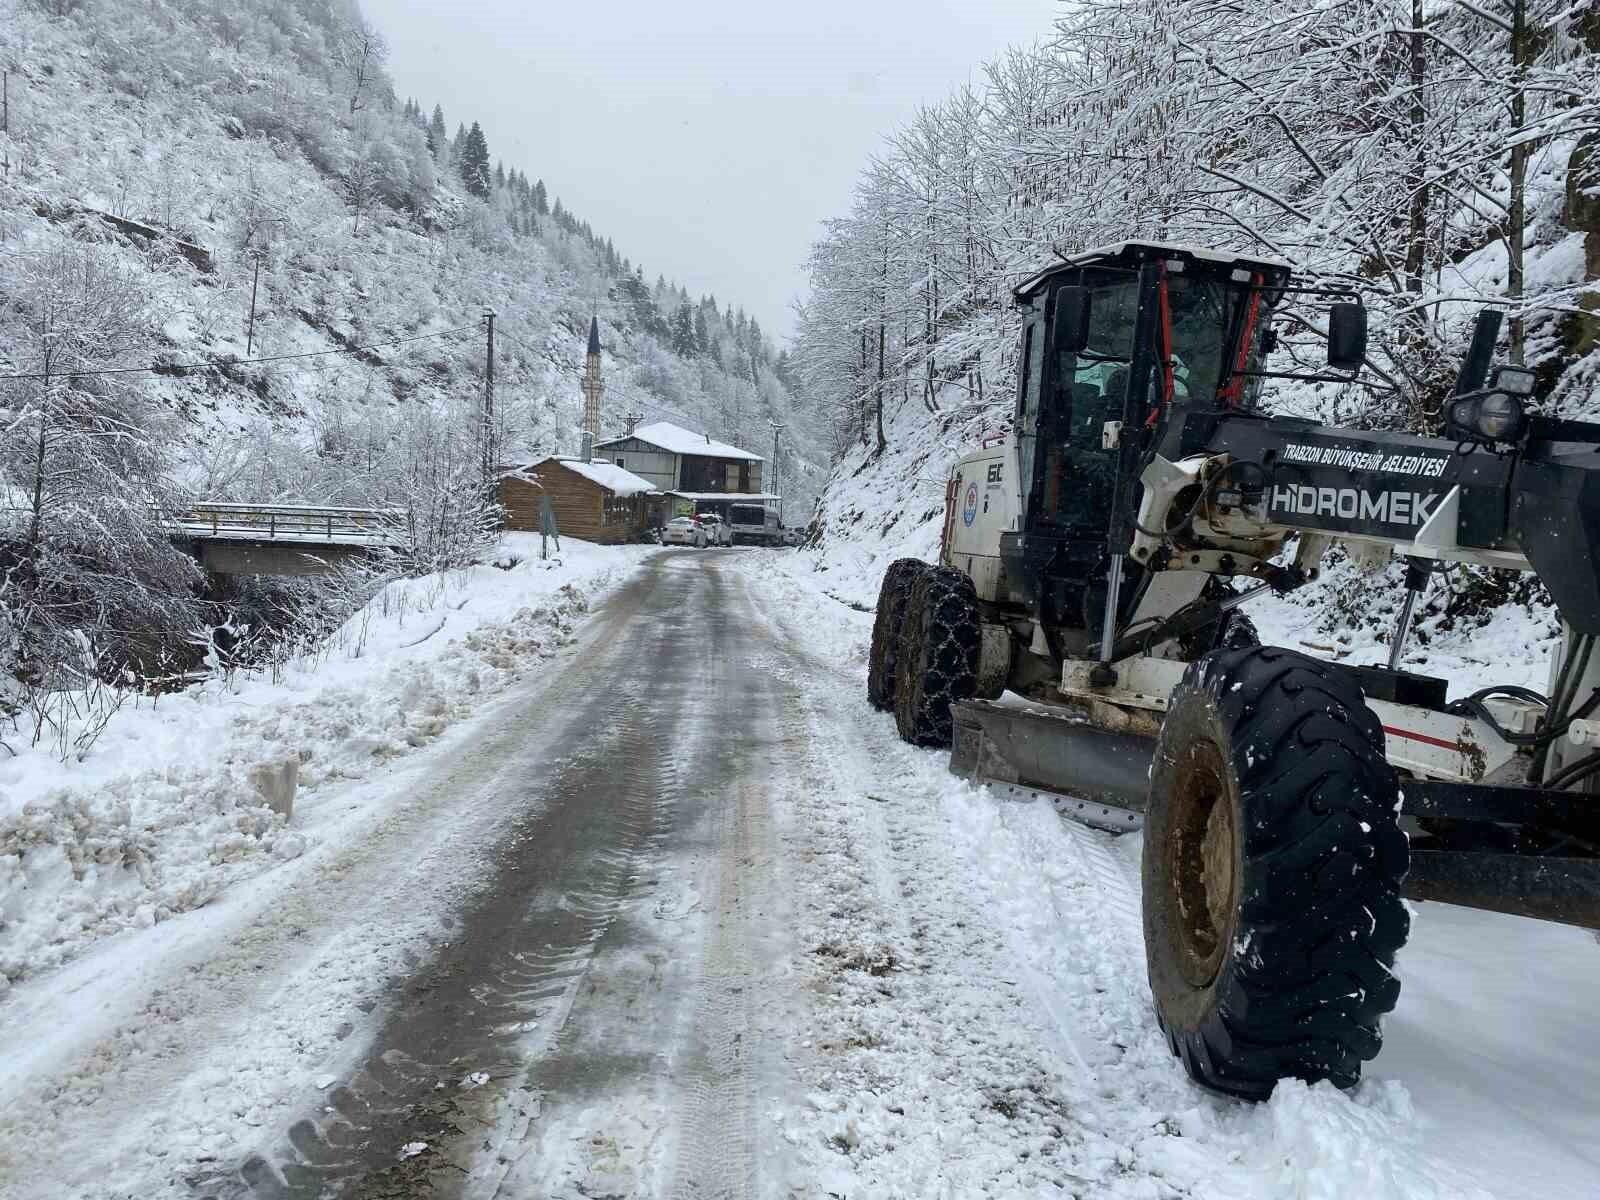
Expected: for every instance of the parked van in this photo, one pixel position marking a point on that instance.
(755, 524)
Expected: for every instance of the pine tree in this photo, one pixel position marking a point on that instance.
(475, 171)
(541, 199)
(499, 174)
(437, 134)
(784, 370)
(683, 332)
(702, 334)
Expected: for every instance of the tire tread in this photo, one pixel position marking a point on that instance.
(1302, 992)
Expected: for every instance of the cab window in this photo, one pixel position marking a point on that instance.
(1086, 389)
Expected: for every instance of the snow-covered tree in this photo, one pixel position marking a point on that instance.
(359, 50)
(474, 168)
(91, 575)
(438, 135)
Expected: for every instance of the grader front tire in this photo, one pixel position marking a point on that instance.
(1273, 859)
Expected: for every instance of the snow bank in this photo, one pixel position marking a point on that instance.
(876, 509)
(163, 815)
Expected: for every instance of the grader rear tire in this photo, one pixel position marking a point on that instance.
(892, 595)
(1272, 865)
(937, 659)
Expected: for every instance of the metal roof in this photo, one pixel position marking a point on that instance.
(1086, 258)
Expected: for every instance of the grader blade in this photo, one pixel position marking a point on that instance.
(1092, 775)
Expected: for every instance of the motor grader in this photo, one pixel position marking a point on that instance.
(1079, 640)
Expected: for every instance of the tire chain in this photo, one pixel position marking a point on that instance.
(892, 596)
(944, 643)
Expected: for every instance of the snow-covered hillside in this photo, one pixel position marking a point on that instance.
(1183, 121)
(229, 137)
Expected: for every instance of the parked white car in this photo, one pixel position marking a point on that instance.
(684, 531)
(718, 531)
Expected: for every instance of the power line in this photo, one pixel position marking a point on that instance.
(235, 362)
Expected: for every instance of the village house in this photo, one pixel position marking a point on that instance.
(695, 472)
(595, 501)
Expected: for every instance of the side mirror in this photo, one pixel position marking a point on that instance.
(1072, 318)
(1347, 337)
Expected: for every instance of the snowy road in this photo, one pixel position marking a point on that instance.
(559, 912)
(681, 917)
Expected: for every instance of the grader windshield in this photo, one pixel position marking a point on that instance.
(1191, 335)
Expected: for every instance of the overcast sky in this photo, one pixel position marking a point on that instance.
(707, 138)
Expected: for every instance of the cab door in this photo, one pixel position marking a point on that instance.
(981, 507)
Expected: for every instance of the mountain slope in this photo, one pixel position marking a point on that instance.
(254, 136)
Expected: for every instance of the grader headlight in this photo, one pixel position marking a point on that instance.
(1496, 414)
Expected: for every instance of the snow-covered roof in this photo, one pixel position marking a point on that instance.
(1204, 252)
(675, 439)
(1116, 249)
(608, 475)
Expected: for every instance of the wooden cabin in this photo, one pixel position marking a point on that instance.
(595, 501)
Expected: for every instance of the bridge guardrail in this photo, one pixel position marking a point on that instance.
(296, 523)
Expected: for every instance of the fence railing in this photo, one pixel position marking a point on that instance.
(296, 523)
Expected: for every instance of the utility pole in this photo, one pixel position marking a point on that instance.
(487, 433)
(776, 487)
(256, 254)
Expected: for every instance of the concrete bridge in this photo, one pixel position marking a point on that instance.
(286, 539)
